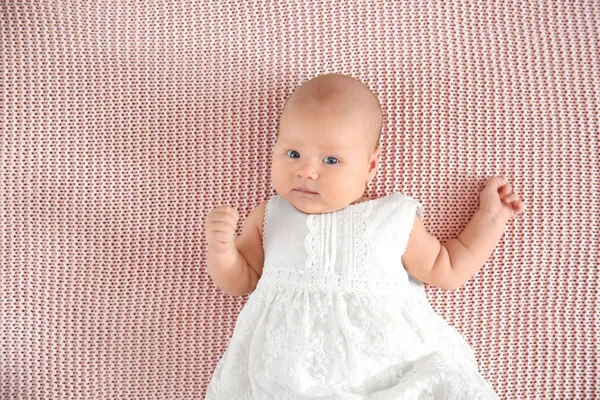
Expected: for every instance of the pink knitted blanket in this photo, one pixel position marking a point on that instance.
(123, 122)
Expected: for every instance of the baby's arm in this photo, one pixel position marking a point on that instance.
(235, 265)
(450, 265)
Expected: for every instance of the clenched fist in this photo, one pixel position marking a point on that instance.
(499, 198)
(220, 225)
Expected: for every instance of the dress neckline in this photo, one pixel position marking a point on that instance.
(349, 206)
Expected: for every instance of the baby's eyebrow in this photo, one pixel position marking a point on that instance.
(337, 147)
(299, 143)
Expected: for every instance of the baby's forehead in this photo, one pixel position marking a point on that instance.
(343, 113)
(323, 140)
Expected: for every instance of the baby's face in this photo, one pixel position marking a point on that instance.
(321, 163)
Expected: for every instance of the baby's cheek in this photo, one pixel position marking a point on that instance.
(277, 178)
(355, 178)
(349, 184)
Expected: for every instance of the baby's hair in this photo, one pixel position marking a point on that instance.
(339, 93)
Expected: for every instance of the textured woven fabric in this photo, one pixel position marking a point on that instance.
(124, 122)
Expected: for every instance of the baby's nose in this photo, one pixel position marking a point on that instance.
(307, 169)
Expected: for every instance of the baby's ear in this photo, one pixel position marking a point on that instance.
(374, 162)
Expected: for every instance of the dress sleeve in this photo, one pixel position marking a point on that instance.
(410, 206)
(419, 209)
(402, 218)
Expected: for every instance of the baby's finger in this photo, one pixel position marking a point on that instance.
(511, 198)
(222, 226)
(230, 216)
(231, 211)
(505, 190)
(518, 207)
(227, 209)
(495, 182)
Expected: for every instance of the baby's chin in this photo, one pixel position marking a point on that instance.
(309, 204)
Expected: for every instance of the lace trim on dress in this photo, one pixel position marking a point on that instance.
(311, 242)
(362, 230)
(287, 276)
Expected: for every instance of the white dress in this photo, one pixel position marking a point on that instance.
(336, 316)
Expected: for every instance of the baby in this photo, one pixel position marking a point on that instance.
(338, 309)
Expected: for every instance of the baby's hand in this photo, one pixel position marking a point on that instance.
(220, 225)
(498, 198)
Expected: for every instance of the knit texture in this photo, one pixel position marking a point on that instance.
(124, 122)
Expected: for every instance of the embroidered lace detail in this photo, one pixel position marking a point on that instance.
(362, 230)
(267, 213)
(311, 242)
(359, 246)
(289, 277)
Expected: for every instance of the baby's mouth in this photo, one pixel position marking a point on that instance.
(304, 190)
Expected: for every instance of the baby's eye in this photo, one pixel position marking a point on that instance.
(293, 154)
(330, 160)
